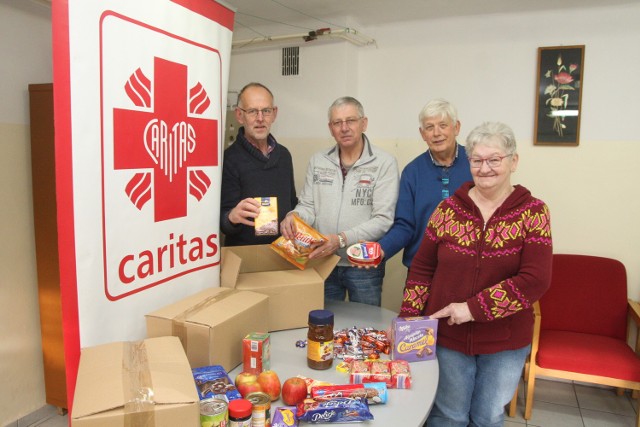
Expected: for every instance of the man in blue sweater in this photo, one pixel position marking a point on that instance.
(427, 179)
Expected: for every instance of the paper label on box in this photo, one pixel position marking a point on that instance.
(266, 223)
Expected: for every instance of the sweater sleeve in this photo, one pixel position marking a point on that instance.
(404, 223)
(230, 197)
(306, 207)
(520, 291)
(418, 285)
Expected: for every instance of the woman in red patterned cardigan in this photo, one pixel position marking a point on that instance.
(484, 260)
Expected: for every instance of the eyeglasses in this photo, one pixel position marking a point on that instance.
(351, 122)
(253, 112)
(492, 162)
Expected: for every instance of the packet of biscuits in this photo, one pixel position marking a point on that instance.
(266, 224)
(297, 250)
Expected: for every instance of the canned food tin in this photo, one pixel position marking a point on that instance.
(261, 415)
(213, 413)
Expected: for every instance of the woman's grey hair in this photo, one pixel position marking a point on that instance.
(489, 132)
(347, 100)
(438, 108)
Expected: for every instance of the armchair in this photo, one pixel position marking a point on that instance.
(580, 330)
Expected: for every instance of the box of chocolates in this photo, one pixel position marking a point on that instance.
(414, 338)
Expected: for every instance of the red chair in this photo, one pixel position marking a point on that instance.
(580, 330)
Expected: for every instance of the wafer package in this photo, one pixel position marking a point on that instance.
(297, 250)
(337, 410)
(375, 393)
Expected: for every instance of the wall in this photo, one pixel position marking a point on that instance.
(25, 45)
(487, 67)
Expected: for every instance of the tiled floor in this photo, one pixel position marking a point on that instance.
(556, 404)
(570, 404)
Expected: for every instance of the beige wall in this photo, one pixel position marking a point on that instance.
(486, 65)
(20, 351)
(25, 46)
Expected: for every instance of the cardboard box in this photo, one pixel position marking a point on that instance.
(110, 376)
(211, 324)
(292, 292)
(414, 338)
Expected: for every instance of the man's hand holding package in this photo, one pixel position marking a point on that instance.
(245, 212)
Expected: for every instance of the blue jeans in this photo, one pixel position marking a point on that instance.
(361, 284)
(473, 390)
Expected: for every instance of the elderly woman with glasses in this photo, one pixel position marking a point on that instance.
(484, 260)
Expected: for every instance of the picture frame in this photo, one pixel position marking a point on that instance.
(559, 95)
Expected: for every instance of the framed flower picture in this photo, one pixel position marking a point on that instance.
(559, 95)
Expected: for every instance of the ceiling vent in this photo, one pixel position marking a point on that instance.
(291, 61)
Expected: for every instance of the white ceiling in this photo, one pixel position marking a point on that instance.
(260, 18)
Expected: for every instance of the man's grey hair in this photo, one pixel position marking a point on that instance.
(347, 100)
(438, 108)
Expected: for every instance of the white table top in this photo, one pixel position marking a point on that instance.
(406, 408)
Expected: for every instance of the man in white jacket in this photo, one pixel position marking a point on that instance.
(349, 195)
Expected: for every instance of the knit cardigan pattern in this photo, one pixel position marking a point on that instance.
(499, 269)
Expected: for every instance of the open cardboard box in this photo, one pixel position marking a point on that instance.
(110, 375)
(292, 292)
(212, 324)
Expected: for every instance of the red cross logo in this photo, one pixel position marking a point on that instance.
(165, 138)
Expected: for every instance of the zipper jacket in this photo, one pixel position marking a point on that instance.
(361, 205)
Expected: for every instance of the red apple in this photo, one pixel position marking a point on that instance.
(245, 377)
(294, 391)
(270, 384)
(248, 387)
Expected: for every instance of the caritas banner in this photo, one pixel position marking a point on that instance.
(139, 95)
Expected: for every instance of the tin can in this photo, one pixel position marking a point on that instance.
(261, 414)
(214, 413)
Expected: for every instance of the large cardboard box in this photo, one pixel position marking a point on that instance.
(212, 324)
(292, 292)
(135, 383)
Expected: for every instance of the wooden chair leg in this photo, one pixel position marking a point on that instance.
(528, 400)
(513, 406)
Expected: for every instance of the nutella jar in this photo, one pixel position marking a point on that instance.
(320, 339)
